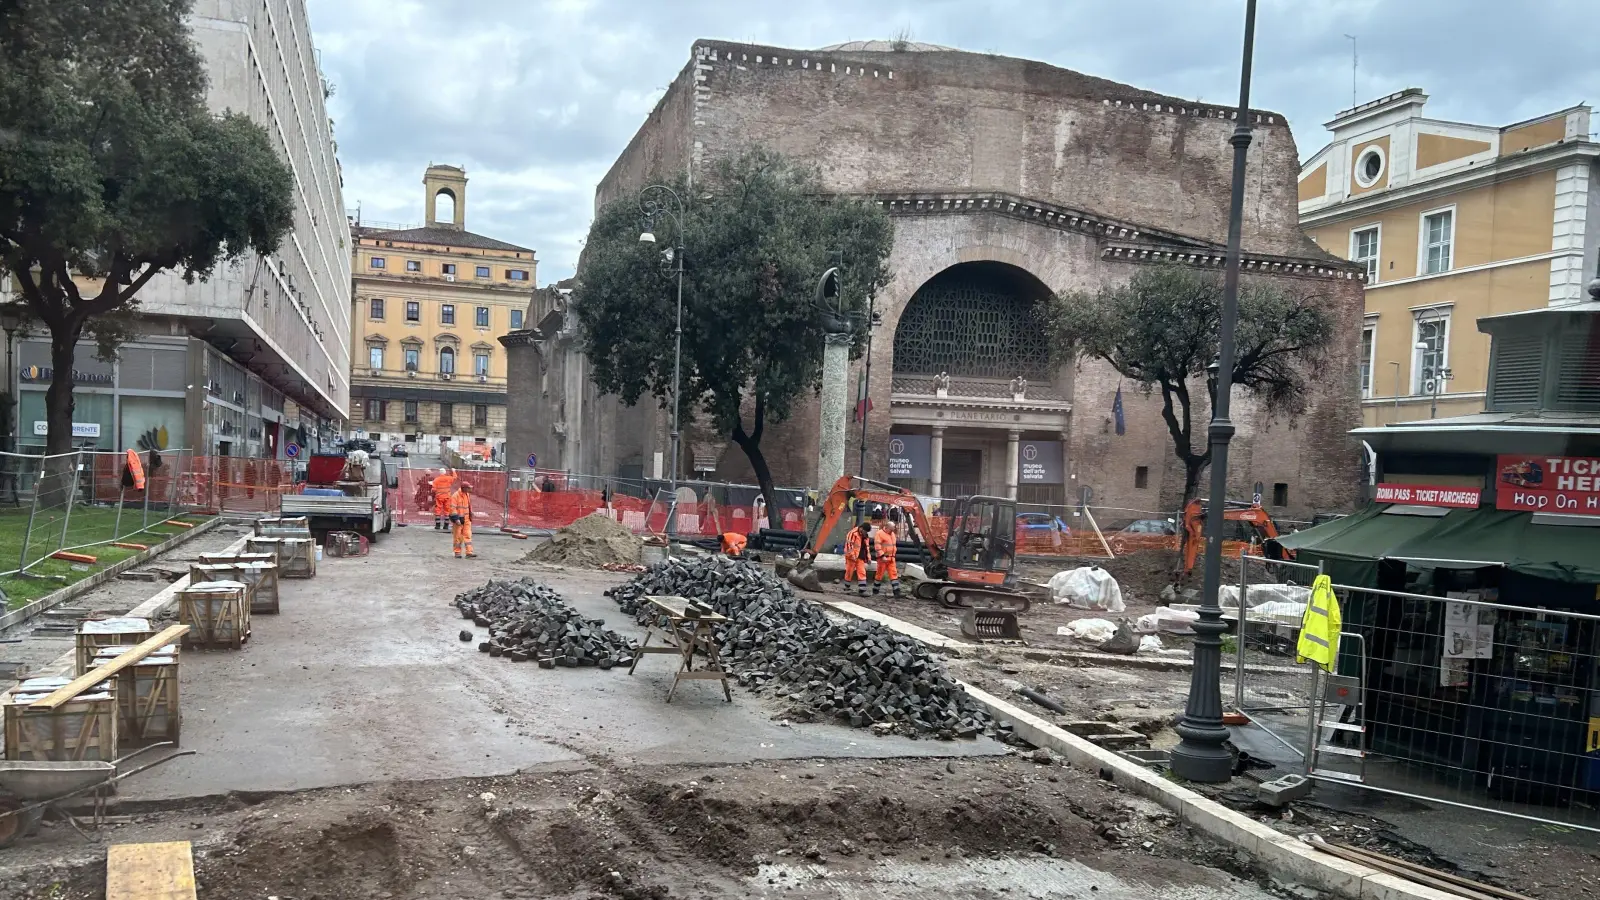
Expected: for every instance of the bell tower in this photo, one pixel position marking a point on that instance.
(449, 182)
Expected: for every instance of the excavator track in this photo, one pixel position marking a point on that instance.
(961, 596)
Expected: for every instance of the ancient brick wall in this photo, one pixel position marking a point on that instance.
(660, 148)
(929, 121)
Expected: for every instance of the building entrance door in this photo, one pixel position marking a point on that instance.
(963, 472)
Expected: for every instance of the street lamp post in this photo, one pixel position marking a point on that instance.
(1201, 756)
(656, 200)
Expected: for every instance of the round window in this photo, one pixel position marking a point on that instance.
(1369, 167)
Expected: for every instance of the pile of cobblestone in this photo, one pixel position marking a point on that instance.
(528, 621)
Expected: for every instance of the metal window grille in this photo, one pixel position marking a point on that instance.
(974, 327)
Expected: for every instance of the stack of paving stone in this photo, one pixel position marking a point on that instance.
(527, 620)
(854, 671)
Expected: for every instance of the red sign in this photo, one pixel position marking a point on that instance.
(1561, 484)
(1429, 495)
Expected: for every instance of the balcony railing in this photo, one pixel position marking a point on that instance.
(974, 389)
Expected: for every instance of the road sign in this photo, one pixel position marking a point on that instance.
(533, 460)
(291, 450)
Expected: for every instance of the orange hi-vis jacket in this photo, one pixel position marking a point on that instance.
(883, 541)
(444, 484)
(852, 545)
(461, 505)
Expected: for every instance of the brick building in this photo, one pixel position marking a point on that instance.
(1007, 180)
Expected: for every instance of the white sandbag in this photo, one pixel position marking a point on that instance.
(1171, 621)
(1228, 594)
(1087, 587)
(1282, 611)
(1090, 631)
(1149, 644)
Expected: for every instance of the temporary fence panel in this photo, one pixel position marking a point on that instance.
(1473, 702)
(1267, 605)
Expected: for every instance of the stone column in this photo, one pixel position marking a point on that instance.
(936, 461)
(830, 436)
(1012, 437)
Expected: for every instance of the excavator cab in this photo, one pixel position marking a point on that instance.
(982, 547)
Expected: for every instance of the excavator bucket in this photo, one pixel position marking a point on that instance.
(991, 625)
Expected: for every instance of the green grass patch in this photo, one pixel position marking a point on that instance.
(87, 525)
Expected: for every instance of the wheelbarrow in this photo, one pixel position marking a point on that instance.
(29, 788)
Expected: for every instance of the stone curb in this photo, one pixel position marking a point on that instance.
(1284, 857)
(56, 598)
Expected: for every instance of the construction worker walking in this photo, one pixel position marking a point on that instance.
(443, 484)
(884, 542)
(461, 521)
(857, 549)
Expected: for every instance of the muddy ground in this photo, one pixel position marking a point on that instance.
(999, 827)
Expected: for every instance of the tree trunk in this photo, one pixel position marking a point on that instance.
(57, 472)
(750, 443)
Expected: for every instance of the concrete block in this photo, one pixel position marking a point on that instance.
(1291, 860)
(1384, 886)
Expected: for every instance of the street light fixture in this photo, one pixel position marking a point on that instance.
(1201, 756)
(660, 200)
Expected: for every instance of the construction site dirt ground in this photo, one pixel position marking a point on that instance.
(358, 748)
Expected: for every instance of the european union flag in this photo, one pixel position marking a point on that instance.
(1116, 411)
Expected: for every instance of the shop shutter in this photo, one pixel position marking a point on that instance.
(1518, 370)
(1578, 378)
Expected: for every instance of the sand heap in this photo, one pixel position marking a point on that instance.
(593, 540)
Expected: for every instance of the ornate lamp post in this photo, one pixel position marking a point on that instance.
(1201, 756)
(658, 200)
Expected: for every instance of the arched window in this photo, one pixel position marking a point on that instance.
(447, 361)
(981, 320)
(444, 206)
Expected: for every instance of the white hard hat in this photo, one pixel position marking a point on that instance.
(443, 471)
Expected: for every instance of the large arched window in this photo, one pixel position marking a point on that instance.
(978, 320)
(447, 361)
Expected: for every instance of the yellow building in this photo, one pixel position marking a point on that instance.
(430, 305)
(1454, 222)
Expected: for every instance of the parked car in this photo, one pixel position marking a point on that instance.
(399, 451)
(1150, 526)
(354, 444)
(1038, 523)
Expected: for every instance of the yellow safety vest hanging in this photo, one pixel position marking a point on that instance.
(1319, 630)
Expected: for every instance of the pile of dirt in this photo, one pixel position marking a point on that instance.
(856, 672)
(594, 540)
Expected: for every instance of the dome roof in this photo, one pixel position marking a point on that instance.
(884, 46)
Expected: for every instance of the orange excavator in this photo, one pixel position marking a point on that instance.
(970, 566)
(1249, 536)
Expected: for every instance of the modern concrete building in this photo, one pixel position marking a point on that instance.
(256, 356)
(429, 307)
(1007, 180)
(1451, 223)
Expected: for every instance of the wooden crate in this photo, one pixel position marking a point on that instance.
(229, 558)
(217, 613)
(147, 698)
(297, 557)
(288, 526)
(119, 631)
(84, 728)
(260, 575)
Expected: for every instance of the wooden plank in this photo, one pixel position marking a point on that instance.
(150, 871)
(129, 657)
(74, 557)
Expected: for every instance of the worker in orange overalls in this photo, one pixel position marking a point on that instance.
(733, 543)
(443, 483)
(883, 545)
(857, 550)
(461, 520)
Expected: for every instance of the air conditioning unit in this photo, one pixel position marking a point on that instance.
(449, 278)
(483, 379)
(1429, 385)
(446, 376)
(411, 373)
(374, 372)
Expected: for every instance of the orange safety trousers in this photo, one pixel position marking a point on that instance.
(884, 541)
(461, 532)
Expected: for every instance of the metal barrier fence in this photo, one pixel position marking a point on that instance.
(1267, 605)
(1455, 699)
(71, 501)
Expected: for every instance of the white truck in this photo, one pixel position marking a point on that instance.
(339, 496)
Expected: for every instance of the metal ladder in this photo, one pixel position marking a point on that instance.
(1338, 693)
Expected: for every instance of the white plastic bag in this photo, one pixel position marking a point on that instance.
(1172, 621)
(1228, 594)
(1087, 587)
(1090, 631)
(1149, 644)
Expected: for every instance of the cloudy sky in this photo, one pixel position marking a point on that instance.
(537, 97)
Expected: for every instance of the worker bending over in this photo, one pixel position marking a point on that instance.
(461, 520)
(733, 544)
(884, 546)
(443, 483)
(857, 550)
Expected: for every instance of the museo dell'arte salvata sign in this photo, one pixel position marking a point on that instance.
(1559, 484)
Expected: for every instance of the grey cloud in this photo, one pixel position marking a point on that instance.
(536, 99)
